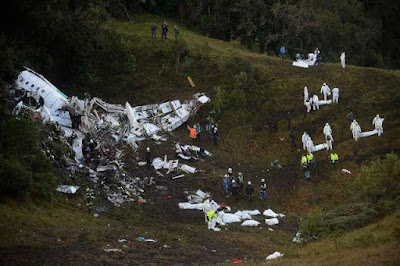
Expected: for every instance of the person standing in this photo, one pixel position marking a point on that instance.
(343, 60)
(148, 157)
(154, 31)
(89, 199)
(282, 52)
(225, 184)
(215, 136)
(240, 182)
(334, 159)
(249, 191)
(164, 30)
(198, 131)
(311, 162)
(192, 133)
(262, 194)
(208, 124)
(176, 31)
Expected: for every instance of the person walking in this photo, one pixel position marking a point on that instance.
(215, 136)
(208, 124)
(240, 182)
(148, 157)
(89, 199)
(198, 131)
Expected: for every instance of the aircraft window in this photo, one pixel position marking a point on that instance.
(32, 85)
(42, 91)
(26, 82)
(38, 88)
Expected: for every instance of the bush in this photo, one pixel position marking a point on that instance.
(381, 179)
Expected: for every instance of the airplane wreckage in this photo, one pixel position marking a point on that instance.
(109, 126)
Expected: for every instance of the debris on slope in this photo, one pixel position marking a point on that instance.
(97, 132)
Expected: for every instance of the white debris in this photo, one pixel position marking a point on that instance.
(297, 238)
(270, 229)
(253, 212)
(113, 250)
(250, 223)
(202, 194)
(190, 206)
(274, 255)
(346, 171)
(67, 189)
(243, 215)
(272, 221)
(271, 213)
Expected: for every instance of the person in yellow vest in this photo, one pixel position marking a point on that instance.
(212, 220)
(304, 161)
(305, 165)
(311, 162)
(334, 159)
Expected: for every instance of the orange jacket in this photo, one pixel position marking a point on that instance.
(193, 134)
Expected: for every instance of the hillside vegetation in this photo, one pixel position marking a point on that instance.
(256, 100)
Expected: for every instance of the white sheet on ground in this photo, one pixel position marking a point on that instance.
(272, 221)
(271, 213)
(250, 223)
(243, 215)
(253, 212)
(274, 255)
(188, 169)
(300, 63)
(191, 206)
(202, 194)
(229, 218)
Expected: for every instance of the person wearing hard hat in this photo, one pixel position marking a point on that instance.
(192, 132)
(225, 184)
(239, 181)
(249, 191)
(235, 189)
(148, 156)
(262, 194)
(334, 159)
(230, 179)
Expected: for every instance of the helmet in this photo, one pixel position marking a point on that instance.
(230, 170)
(233, 181)
(225, 175)
(263, 180)
(148, 149)
(249, 183)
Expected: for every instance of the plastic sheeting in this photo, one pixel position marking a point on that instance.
(250, 223)
(190, 206)
(67, 189)
(271, 213)
(253, 212)
(229, 218)
(243, 215)
(272, 221)
(368, 133)
(274, 255)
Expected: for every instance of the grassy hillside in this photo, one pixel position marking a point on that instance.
(256, 100)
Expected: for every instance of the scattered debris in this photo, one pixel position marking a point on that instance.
(274, 255)
(297, 239)
(113, 250)
(346, 171)
(67, 189)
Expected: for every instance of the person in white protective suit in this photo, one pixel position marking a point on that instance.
(305, 95)
(308, 104)
(310, 145)
(353, 124)
(335, 93)
(356, 131)
(327, 130)
(343, 60)
(329, 140)
(315, 103)
(379, 126)
(375, 118)
(304, 139)
(206, 209)
(326, 91)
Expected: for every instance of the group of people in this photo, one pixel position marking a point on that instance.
(234, 186)
(164, 31)
(210, 127)
(313, 102)
(377, 122)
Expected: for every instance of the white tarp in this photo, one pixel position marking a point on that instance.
(300, 63)
(253, 212)
(250, 223)
(272, 221)
(368, 133)
(191, 206)
(323, 102)
(271, 213)
(320, 147)
(274, 255)
(229, 218)
(243, 215)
